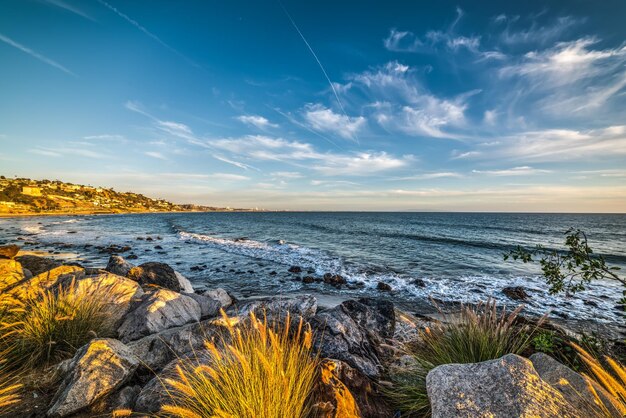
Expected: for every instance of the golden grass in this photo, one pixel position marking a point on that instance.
(611, 378)
(49, 325)
(263, 371)
(9, 389)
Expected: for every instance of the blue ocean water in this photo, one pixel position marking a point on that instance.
(457, 255)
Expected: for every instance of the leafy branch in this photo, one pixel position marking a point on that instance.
(569, 271)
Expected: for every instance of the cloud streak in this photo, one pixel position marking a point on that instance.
(35, 54)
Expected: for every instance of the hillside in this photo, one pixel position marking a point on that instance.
(26, 196)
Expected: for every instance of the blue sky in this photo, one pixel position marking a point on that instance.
(395, 105)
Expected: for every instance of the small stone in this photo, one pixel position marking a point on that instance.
(383, 287)
(515, 292)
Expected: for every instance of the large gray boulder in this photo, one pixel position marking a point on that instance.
(502, 388)
(276, 308)
(117, 265)
(353, 331)
(583, 393)
(158, 311)
(160, 275)
(95, 371)
(208, 307)
(219, 295)
(36, 264)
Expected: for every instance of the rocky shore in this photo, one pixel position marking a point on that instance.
(161, 321)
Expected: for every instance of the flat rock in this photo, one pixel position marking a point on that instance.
(501, 388)
(96, 370)
(583, 393)
(36, 264)
(9, 251)
(117, 265)
(157, 311)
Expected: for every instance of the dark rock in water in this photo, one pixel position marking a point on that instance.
(384, 287)
(251, 271)
(334, 279)
(591, 303)
(36, 264)
(196, 268)
(155, 273)
(310, 271)
(240, 239)
(132, 257)
(273, 273)
(139, 238)
(72, 232)
(418, 282)
(9, 251)
(158, 247)
(295, 269)
(308, 279)
(149, 239)
(515, 293)
(117, 265)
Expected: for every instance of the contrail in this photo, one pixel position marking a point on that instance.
(35, 54)
(330, 83)
(147, 32)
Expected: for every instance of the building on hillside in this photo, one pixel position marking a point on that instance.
(31, 191)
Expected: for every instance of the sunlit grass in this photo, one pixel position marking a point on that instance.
(49, 325)
(477, 334)
(9, 389)
(262, 371)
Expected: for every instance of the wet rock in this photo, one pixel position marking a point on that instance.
(132, 257)
(158, 247)
(515, 293)
(273, 273)
(117, 265)
(582, 393)
(383, 287)
(502, 388)
(308, 279)
(36, 264)
(295, 269)
(220, 295)
(334, 279)
(9, 251)
(96, 370)
(341, 334)
(156, 312)
(158, 274)
(418, 283)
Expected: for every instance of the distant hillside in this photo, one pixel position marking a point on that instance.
(26, 196)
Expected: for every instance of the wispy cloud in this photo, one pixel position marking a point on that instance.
(155, 154)
(148, 33)
(323, 119)
(35, 54)
(515, 171)
(63, 5)
(431, 176)
(256, 121)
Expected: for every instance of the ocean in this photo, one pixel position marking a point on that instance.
(458, 256)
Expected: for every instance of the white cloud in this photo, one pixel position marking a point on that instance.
(402, 41)
(323, 119)
(156, 155)
(287, 174)
(456, 155)
(515, 171)
(256, 121)
(35, 54)
(535, 33)
(431, 176)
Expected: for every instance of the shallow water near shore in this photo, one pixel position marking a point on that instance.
(457, 255)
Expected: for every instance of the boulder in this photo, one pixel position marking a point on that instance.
(96, 370)
(208, 307)
(45, 280)
(581, 392)
(352, 332)
(156, 312)
(118, 292)
(345, 392)
(219, 295)
(156, 274)
(11, 272)
(334, 279)
(9, 251)
(383, 287)
(515, 292)
(117, 265)
(276, 308)
(501, 388)
(36, 264)
(185, 284)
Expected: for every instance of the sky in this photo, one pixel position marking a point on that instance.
(321, 105)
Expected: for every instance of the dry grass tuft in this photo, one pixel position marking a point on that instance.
(476, 334)
(9, 390)
(263, 371)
